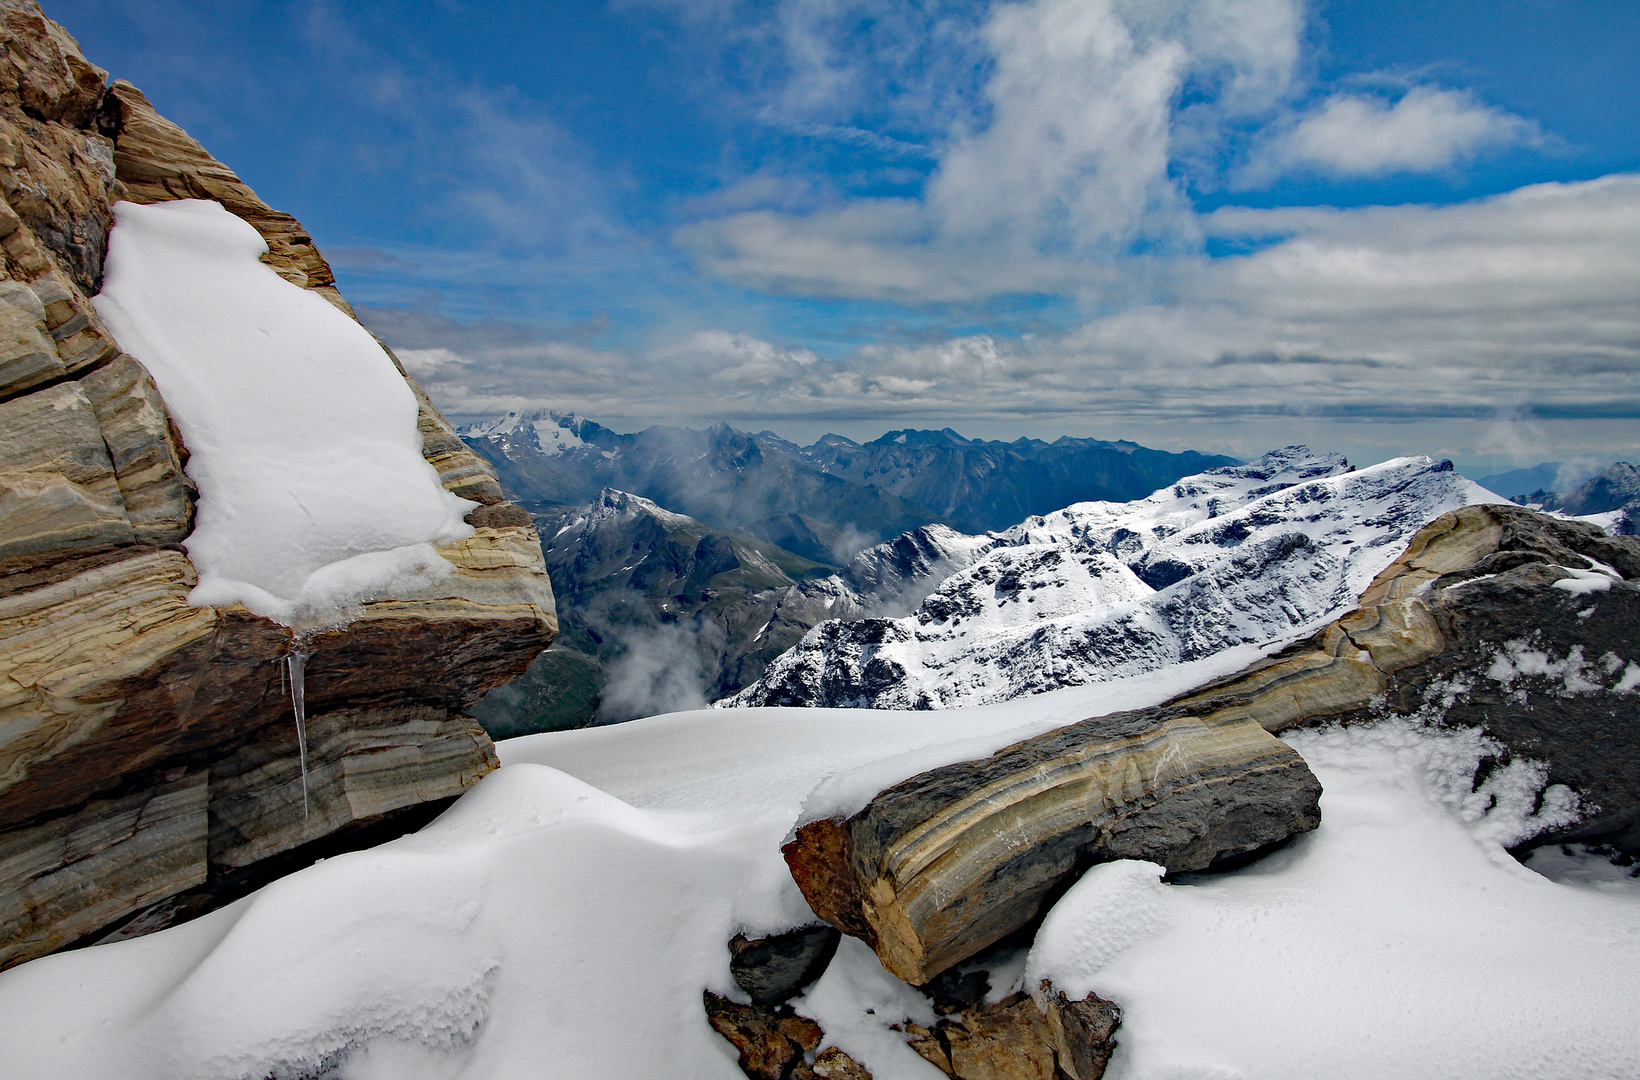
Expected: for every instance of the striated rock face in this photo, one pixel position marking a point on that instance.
(938, 867)
(147, 746)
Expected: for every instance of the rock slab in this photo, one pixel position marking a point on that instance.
(1516, 622)
(1016, 1039)
(937, 868)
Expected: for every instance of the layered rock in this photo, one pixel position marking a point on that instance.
(937, 868)
(147, 745)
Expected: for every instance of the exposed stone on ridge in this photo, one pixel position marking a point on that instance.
(57, 484)
(146, 745)
(144, 450)
(938, 867)
(772, 1042)
(1015, 1039)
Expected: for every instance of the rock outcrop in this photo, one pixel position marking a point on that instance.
(776, 1043)
(937, 868)
(146, 745)
(1497, 617)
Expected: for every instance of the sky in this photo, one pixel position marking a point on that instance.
(1379, 228)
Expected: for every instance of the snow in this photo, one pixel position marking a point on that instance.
(1583, 582)
(1397, 940)
(313, 493)
(561, 920)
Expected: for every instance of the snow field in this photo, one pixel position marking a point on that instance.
(313, 494)
(562, 919)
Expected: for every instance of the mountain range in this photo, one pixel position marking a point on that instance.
(827, 500)
(1238, 555)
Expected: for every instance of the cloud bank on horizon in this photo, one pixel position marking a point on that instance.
(1123, 214)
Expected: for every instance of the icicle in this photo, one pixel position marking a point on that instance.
(296, 667)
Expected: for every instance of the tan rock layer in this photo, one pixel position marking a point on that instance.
(362, 765)
(63, 879)
(937, 868)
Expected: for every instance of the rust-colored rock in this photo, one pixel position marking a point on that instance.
(1014, 1039)
(772, 1041)
(119, 702)
(832, 1064)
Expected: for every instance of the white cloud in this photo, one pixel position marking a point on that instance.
(1520, 302)
(1427, 130)
(1062, 164)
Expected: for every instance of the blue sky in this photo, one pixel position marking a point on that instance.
(1226, 224)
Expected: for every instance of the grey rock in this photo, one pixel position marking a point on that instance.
(775, 968)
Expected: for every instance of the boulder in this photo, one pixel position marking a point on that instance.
(937, 868)
(147, 746)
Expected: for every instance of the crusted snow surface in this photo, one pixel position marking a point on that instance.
(313, 493)
(1240, 555)
(561, 920)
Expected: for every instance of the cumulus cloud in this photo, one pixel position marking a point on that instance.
(1060, 143)
(1079, 148)
(1426, 130)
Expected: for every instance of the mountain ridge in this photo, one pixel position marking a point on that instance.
(827, 500)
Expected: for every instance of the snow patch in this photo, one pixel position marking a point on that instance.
(313, 494)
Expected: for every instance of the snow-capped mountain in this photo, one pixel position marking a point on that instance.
(635, 581)
(1236, 555)
(552, 434)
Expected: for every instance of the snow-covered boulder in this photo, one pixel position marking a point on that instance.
(1239, 555)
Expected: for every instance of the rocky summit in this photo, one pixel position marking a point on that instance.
(147, 746)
